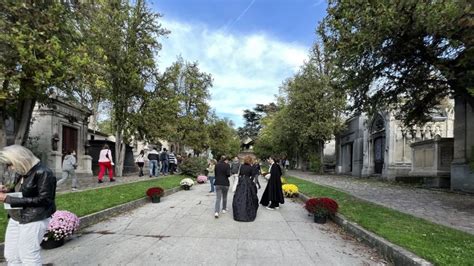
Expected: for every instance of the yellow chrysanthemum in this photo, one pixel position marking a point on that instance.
(290, 190)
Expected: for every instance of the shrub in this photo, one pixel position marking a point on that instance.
(290, 190)
(61, 225)
(155, 192)
(193, 166)
(314, 163)
(321, 206)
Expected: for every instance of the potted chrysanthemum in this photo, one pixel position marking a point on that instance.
(155, 193)
(201, 179)
(186, 183)
(290, 190)
(321, 208)
(62, 225)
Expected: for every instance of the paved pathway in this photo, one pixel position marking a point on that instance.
(442, 207)
(181, 230)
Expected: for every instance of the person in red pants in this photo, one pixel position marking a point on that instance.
(106, 162)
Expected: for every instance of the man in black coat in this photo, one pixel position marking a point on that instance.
(221, 183)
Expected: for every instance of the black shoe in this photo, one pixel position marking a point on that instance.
(112, 180)
(100, 182)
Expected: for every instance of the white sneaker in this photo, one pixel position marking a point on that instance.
(224, 211)
(268, 208)
(216, 215)
(74, 189)
(277, 208)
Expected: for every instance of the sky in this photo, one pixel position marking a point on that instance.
(248, 46)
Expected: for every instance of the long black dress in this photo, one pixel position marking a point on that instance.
(273, 192)
(245, 202)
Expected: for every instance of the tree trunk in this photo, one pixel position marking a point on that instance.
(321, 155)
(95, 114)
(3, 134)
(23, 119)
(119, 153)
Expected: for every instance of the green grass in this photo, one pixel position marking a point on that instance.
(436, 243)
(90, 201)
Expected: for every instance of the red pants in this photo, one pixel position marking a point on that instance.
(103, 166)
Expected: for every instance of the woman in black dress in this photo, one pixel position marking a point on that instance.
(273, 193)
(245, 202)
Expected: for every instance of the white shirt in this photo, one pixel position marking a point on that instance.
(103, 158)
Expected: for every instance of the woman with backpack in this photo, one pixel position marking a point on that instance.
(106, 162)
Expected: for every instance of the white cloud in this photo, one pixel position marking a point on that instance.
(247, 69)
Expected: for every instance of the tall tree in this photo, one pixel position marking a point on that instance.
(408, 55)
(191, 87)
(223, 139)
(252, 124)
(39, 48)
(128, 35)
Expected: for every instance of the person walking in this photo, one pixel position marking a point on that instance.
(69, 170)
(140, 161)
(222, 174)
(211, 173)
(256, 165)
(28, 221)
(173, 162)
(234, 170)
(153, 158)
(273, 193)
(164, 161)
(106, 162)
(245, 202)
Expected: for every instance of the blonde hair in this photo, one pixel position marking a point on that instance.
(20, 157)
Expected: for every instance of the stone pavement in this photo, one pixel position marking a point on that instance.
(442, 207)
(181, 230)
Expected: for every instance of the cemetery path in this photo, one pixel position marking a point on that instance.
(442, 207)
(181, 230)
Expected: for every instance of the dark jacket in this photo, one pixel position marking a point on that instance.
(39, 193)
(248, 171)
(153, 155)
(234, 167)
(222, 172)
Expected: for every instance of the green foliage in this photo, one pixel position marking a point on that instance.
(105, 126)
(406, 55)
(193, 166)
(417, 235)
(223, 140)
(94, 200)
(315, 164)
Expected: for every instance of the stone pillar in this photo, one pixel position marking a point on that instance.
(55, 162)
(462, 176)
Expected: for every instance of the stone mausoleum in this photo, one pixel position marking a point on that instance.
(381, 145)
(58, 127)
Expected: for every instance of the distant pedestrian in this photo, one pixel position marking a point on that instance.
(273, 193)
(69, 169)
(106, 162)
(164, 161)
(256, 165)
(173, 162)
(140, 161)
(153, 158)
(211, 173)
(222, 173)
(234, 170)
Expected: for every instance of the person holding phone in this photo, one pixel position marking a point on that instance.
(30, 214)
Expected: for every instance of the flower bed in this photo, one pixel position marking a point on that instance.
(155, 192)
(290, 190)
